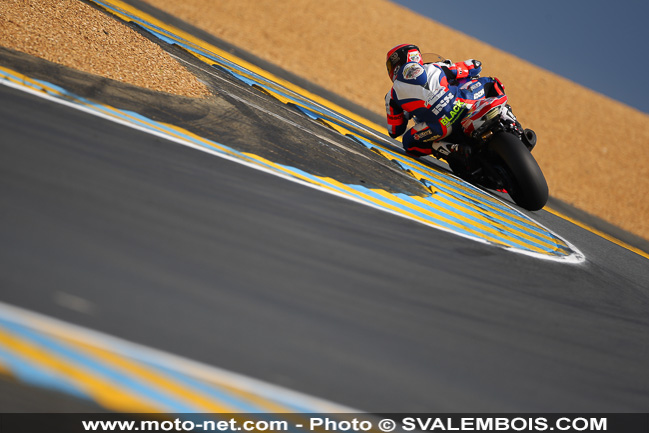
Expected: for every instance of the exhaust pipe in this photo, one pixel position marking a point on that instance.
(529, 139)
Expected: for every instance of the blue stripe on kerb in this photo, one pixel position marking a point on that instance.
(221, 394)
(96, 367)
(214, 392)
(498, 226)
(458, 205)
(465, 193)
(30, 372)
(502, 214)
(442, 212)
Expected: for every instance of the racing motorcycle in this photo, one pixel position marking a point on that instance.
(500, 155)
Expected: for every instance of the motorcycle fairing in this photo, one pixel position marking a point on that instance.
(481, 112)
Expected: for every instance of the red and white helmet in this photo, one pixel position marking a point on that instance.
(399, 56)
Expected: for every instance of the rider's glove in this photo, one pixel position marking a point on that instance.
(475, 67)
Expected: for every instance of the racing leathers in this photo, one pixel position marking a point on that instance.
(435, 95)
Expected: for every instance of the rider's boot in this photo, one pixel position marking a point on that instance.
(451, 150)
(458, 157)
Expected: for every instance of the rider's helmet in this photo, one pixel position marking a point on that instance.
(400, 55)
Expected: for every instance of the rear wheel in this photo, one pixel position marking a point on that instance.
(524, 179)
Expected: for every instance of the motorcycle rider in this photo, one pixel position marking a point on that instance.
(435, 95)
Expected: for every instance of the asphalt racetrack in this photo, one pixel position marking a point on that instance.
(135, 236)
(203, 257)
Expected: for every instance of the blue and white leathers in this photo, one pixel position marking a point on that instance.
(423, 92)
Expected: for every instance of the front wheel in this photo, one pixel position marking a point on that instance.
(524, 179)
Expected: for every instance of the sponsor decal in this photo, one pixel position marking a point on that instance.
(458, 109)
(447, 148)
(412, 71)
(443, 150)
(443, 103)
(414, 56)
(426, 136)
(422, 134)
(480, 94)
(474, 86)
(434, 97)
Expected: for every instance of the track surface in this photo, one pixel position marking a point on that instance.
(236, 268)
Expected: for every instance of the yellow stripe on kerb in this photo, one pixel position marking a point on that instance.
(30, 82)
(193, 397)
(100, 389)
(145, 374)
(476, 229)
(487, 223)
